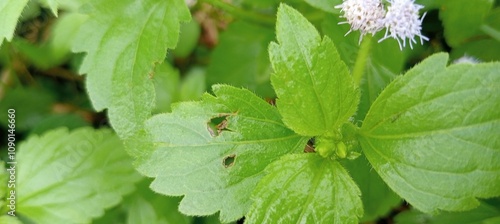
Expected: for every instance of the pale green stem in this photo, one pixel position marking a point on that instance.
(247, 15)
(360, 65)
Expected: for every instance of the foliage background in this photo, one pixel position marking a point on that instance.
(55, 41)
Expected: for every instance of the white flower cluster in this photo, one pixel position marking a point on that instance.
(363, 15)
(401, 20)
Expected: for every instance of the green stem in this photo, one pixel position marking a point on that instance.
(254, 17)
(360, 64)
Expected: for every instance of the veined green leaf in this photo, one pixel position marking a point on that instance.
(124, 40)
(422, 125)
(385, 60)
(316, 93)
(213, 151)
(306, 188)
(72, 177)
(10, 11)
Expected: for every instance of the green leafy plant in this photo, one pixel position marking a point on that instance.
(307, 120)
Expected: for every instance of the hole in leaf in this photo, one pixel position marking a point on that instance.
(228, 161)
(218, 124)
(309, 146)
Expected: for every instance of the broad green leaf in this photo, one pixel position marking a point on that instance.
(462, 19)
(71, 177)
(10, 11)
(432, 134)
(306, 188)
(315, 90)
(240, 59)
(124, 40)
(325, 5)
(484, 214)
(385, 60)
(378, 199)
(213, 151)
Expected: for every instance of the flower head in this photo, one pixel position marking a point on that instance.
(402, 22)
(367, 16)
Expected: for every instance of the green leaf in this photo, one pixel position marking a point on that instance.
(385, 60)
(316, 93)
(124, 40)
(483, 214)
(10, 11)
(213, 151)
(378, 199)
(240, 59)
(189, 36)
(306, 188)
(462, 19)
(325, 5)
(425, 123)
(71, 177)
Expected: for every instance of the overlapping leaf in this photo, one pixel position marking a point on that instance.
(72, 177)
(315, 90)
(10, 11)
(432, 135)
(214, 151)
(306, 188)
(385, 60)
(124, 40)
